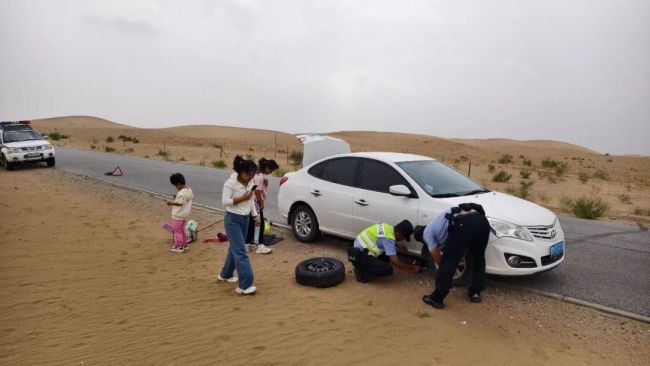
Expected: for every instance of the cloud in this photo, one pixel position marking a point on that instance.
(121, 24)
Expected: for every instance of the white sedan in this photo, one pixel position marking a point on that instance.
(343, 194)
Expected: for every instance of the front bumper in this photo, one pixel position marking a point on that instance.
(30, 157)
(538, 250)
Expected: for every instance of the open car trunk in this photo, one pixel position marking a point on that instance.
(316, 147)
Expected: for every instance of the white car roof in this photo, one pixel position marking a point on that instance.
(389, 156)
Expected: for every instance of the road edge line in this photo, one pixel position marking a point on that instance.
(575, 301)
(551, 295)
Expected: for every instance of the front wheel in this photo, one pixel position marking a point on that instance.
(5, 164)
(304, 224)
(50, 162)
(463, 273)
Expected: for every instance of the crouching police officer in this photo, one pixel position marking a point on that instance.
(461, 229)
(375, 249)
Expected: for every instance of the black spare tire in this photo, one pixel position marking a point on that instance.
(320, 272)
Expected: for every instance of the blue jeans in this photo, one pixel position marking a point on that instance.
(237, 258)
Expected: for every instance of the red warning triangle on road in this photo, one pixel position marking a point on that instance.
(117, 172)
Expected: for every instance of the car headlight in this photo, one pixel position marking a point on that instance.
(505, 229)
(47, 147)
(14, 150)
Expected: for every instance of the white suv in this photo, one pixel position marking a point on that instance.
(20, 143)
(343, 194)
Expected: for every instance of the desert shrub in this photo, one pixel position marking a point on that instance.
(108, 149)
(251, 149)
(524, 189)
(583, 177)
(146, 156)
(550, 163)
(135, 140)
(129, 150)
(296, 157)
(93, 147)
(423, 313)
(202, 163)
(511, 190)
(121, 137)
(528, 162)
(182, 159)
(543, 198)
(501, 177)
(217, 146)
(282, 151)
(601, 174)
(586, 207)
(463, 158)
(163, 153)
(491, 168)
(505, 159)
(525, 174)
(56, 136)
(249, 157)
(642, 211)
(625, 198)
(110, 139)
(219, 164)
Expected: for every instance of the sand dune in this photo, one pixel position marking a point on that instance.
(623, 181)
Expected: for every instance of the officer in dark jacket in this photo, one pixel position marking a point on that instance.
(458, 230)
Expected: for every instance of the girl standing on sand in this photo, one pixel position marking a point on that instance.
(256, 233)
(238, 199)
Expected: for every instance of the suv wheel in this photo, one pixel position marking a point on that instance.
(304, 224)
(7, 165)
(51, 162)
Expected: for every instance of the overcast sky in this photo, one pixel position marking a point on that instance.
(577, 71)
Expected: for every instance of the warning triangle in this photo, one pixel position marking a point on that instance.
(117, 172)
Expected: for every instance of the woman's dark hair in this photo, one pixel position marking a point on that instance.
(271, 164)
(177, 178)
(240, 165)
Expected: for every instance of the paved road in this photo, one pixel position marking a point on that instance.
(607, 263)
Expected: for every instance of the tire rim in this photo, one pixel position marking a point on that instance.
(320, 266)
(461, 268)
(302, 223)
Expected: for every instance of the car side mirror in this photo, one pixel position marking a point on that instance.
(400, 190)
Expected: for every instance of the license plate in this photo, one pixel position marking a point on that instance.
(557, 250)
(28, 156)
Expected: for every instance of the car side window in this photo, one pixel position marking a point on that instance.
(340, 171)
(317, 170)
(378, 176)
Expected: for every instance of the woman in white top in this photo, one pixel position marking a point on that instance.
(238, 199)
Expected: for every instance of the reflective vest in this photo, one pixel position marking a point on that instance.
(368, 237)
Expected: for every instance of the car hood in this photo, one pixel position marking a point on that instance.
(508, 208)
(29, 143)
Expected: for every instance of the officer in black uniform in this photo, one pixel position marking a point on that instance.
(461, 229)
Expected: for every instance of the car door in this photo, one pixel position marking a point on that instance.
(333, 194)
(373, 202)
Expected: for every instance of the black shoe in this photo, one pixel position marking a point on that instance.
(430, 301)
(359, 276)
(475, 298)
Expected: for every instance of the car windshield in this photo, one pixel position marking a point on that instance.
(20, 135)
(439, 180)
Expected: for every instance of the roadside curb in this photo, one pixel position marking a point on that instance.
(551, 295)
(573, 300)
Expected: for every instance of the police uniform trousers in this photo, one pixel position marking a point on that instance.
(368, 266)
(470, 233)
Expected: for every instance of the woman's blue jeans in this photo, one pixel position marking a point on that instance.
(237, 258)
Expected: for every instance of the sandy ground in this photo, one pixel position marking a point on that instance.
(86, 279)
(622, 181)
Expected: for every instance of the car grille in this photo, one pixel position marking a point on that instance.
(547, 259)
(31, 148)
(545, 232)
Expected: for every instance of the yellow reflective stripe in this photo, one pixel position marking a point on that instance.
(369, 244)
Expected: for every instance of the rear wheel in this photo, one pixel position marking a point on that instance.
(5, 164)
(50, 162)
(304, 224)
